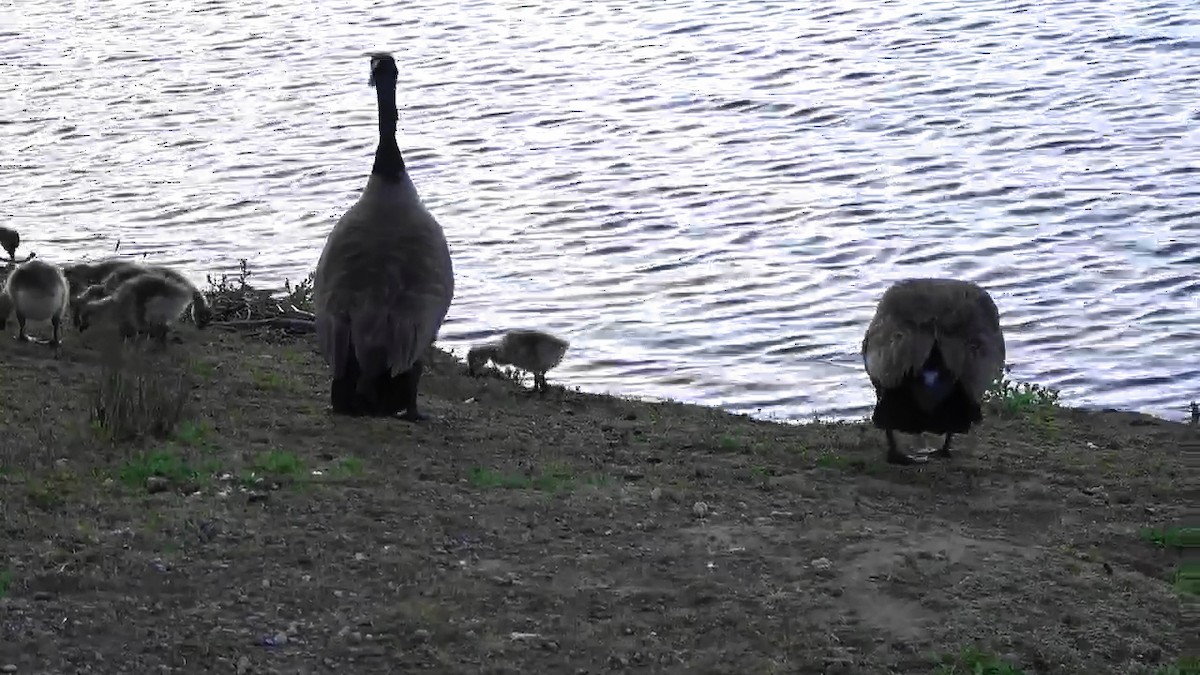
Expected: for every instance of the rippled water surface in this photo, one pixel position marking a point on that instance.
(705, 196)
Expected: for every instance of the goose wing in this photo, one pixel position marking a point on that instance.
(983, 348)
(894, 347)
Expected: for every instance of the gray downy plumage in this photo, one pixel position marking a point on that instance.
(201, 312)
(85, 274)
(384, 281)
(38, 292)
(530, 350)
(144, 303)
(931, 351)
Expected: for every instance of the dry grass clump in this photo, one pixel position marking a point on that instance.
(233, 298)
(237, 305)
(136, 395)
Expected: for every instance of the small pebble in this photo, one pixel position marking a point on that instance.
(8, 668)
(700, 509)
(656, 494)
(422, 634)
(822, 564)
(156, 484)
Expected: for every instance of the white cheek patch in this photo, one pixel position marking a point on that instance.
(930, 377)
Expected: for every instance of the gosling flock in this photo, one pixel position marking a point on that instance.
(384, 283)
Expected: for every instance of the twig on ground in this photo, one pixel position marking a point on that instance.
(280, 322)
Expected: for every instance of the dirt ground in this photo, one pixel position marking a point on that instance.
(562, 533)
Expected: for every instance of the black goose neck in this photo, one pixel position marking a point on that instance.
(389, 164)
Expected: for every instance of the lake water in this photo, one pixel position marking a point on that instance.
(706, 196)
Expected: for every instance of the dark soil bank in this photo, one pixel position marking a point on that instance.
(564, 533)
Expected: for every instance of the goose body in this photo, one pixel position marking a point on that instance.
(145, 303)
(931, 351)
(529, 350)
(83, 275)
(384, 281)
(201, 312)
(113, 272)
(38, 291)
(10, 240)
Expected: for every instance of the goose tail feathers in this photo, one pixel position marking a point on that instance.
(375, 362)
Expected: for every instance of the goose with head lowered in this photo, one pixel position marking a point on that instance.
(201, 312)
(38, 291)
(932, 350)
(384, 281)
(531, 350)
(144, 303)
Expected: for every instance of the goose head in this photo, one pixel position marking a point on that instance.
(479, 355)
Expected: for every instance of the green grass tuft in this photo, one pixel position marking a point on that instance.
(1172, 537)
(1013, 396)
(552, 479)
(6, 579)
(161, 463)
(972, 661)
(350, 466)
(1187, 579)
(279, 463)
(192, 433)
(1187, 665)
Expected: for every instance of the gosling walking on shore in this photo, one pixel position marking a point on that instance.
(530, 350)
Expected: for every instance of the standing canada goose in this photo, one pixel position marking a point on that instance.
(201, 312)
(146, 303)
(529, 350)
(384, 281)
(38, 291)
(10, 240)
(931, 351)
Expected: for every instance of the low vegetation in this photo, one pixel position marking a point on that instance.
(1013, 396)
(201, 504)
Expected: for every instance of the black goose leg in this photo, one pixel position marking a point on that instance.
(539, 382)
(159, 335)
(894, 456)
(343, 391)
(22, 336)
(343, 396)
(412, 382)
(944, 452)
(56, 340)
